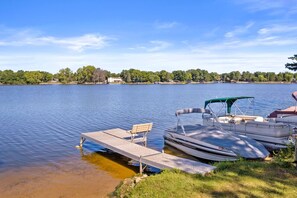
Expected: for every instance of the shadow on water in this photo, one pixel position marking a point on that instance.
(116, 165)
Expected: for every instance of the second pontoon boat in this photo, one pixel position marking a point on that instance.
(288, 115)
(271, 134)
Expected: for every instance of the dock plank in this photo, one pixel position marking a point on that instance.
(118, 140)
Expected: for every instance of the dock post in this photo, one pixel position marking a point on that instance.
(140, 165)
(295, 156)
(82, 140)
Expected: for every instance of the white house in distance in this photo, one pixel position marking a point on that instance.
(114, 80)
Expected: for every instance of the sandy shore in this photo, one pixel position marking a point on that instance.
(92, 175)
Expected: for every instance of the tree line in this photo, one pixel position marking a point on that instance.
(198, 75)
(91, 74)
(85, 74)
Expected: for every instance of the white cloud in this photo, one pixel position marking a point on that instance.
(158, 45)
(34, 38)
(166, 25)
(153, 46)
(277, 29)
(214, 61)
(212, 33)
(80, 43)
(261, 5)
(280, 8)
(247, 44)
(239, 30)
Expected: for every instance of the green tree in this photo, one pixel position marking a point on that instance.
(246, 76)
(65, 75)
(136, 75)
(179, 75)
(254, 78)
(279, 77)
(261, 78)
(33, 77)
(20, 78)
(153, 77)
(126, 76)
(271, 76)
(205, 76)
(225, 77)
(188, 76)
(235, 75)
(194, 74)
(165, 76)
(288, 77)
(8, 77)
(292, 66)
(85, 74)
(215, 76)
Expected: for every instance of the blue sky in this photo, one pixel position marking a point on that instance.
(218, 35)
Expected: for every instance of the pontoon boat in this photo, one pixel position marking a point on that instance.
(271, 134)
(212, 143)
(288, 115)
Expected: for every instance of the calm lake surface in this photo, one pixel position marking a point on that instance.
(42, 124)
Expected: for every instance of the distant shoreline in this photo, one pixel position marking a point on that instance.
(157, 83)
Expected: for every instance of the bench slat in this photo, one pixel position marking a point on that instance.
(141, 128)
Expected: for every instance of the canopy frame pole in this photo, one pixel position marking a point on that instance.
(181, 125)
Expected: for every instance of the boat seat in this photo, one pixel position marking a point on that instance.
(246, 118)
(139, 132)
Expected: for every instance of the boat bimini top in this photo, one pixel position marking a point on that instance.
(228, 101)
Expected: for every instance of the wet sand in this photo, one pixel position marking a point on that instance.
(91, 175)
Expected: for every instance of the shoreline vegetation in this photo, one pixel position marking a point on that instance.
(243, 178)
(90, 75)
(230, 179)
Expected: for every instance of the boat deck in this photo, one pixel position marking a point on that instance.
(118, 140)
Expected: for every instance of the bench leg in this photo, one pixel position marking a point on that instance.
(145, 139)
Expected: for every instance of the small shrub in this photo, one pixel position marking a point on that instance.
(285, 157)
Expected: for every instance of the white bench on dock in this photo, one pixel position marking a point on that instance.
(139, 132)
(119, 141)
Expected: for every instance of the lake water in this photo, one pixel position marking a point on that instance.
(42, 124)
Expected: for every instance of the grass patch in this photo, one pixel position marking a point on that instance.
(231, 179)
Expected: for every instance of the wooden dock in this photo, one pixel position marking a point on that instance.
(118, 140)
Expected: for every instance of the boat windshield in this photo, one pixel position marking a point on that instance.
(191, 119)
